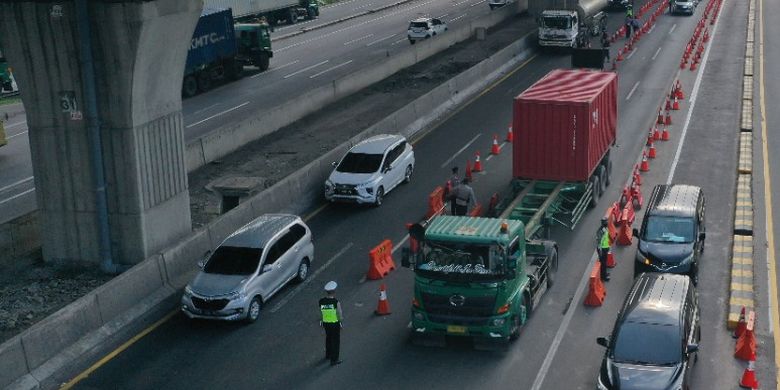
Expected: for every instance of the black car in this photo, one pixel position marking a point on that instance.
(656, 335)
(672, 235)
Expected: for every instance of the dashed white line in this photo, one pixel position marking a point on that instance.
(329, 69)
(380, 40)
(477, 3)
(218, 114)
(631, 93)
(15, 124)
(16, 184)
(306, 68)
(358, 39)
(16, 135)
(311, 277)
(17, 196)
(276, 68)
(464, 1)
(459, 17)
(672, 29)
(362, 6)
(656, 53)
(398, 41)
(651, 29)
(454, 156)
(628, 57)
(442, 16)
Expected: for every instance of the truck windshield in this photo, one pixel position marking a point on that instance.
(559, 22)
(483, 261)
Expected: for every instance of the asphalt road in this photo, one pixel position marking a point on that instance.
(300, 64)
(557, 349)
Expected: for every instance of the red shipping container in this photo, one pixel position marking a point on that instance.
(564, 124)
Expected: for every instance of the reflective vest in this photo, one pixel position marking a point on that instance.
(329, 314)
(604, 242)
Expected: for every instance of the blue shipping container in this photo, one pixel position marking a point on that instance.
(214, 39)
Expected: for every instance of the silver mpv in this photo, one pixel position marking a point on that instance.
(249, 267)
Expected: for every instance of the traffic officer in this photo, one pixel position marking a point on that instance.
(451, 184)
(602, 236)
(332, 322)
(462, 195)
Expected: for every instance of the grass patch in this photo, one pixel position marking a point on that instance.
(10, 100)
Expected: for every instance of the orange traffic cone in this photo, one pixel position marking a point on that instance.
(749, 380)
(651, 151)
(668, 104)
(693, 65)
(741, 324)
(645, 165)
(637, 177)
(656, 134)
(746, 343)
(468, 170)
(668, 119)
(495, 149)
(665, 134)
(477, 164)
(383, 307)
(660, 120)
(620, 55)
(510, 137)
(680, 94)
(676, 105)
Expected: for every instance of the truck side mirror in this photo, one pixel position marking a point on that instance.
(635, 232)
(602, 341)
(691, 348)
(406, 261)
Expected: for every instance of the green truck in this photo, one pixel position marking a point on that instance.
(482, 276)
(5, 74)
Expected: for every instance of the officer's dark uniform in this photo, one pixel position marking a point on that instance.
(331, 321)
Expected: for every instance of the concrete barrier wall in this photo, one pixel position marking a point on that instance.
(156, 282)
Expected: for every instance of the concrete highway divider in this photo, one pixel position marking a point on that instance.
(154, 285)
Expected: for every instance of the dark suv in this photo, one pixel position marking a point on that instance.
(655, 339)
(673, 232)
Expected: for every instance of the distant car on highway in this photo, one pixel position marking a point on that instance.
(370, 170)
(424, 28)
(249, 267)
(655, 341)
(684, 7)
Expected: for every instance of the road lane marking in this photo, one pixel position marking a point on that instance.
(464, 1)
(358, 39)
(15, 124)
(398, 41)
(218, 114)
(631, 93)
(362, 6)
(329, 69)
(656, 53)
(459, 17)
(442, 16)
(628, 57)
(477, 3)
(205, 108)
(694, 95)
(380, 40)
(19, 195)
(276, 68)
(651, 29)
(16, 135)
(306, 68)
(311, 277)
(672, 29)
(400, 244)
(774, 313)
(460, 151)
(12, 185)
(114, 353)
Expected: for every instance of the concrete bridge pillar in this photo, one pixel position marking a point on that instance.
(139, 49)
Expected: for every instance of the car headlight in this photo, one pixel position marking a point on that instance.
(418, 316)
(328, 186)
(640, 257)
(187, 291)
(499, 321)
(236, 295)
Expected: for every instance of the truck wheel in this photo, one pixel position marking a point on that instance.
(262, 61)
(515, 333)
(189, 86)
(596, 193)
(608, 179)
(292, 16)
(204, 81)
(235, 70)
(552, 267)
(312, 14)
(601, 172)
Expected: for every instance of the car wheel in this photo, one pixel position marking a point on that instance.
(411, 41)
(303, 271)
(380, 193)
(253, 313)
(408, 174)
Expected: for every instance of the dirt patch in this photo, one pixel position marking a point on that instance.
(31, 290)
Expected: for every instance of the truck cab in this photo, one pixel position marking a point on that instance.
(476, 277)
(558, 28)
(254, 44)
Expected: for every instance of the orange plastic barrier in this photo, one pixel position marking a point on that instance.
(476, 211)
(626, 234)
(380, 261)
(611, 215)
(636, 196)
(435, 202)
(596, 290)
(746, 344)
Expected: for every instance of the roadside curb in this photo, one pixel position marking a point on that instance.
(344, 19)
(32, 358)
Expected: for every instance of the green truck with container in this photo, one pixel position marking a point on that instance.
(482, 276)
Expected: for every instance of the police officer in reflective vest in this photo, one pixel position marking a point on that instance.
(603, 247)
(331, 321)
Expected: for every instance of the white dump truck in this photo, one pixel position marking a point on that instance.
(565, 25)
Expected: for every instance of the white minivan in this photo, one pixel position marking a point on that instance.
(370, 170)
(424, 28)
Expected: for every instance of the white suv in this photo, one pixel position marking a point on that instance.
(370, 170)
(424, 28)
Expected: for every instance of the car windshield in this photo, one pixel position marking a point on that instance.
(360, 163)
(231, 260)
(423, 25)
(669, 229)
(647, 343)
(560, 22)
(453, 260)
